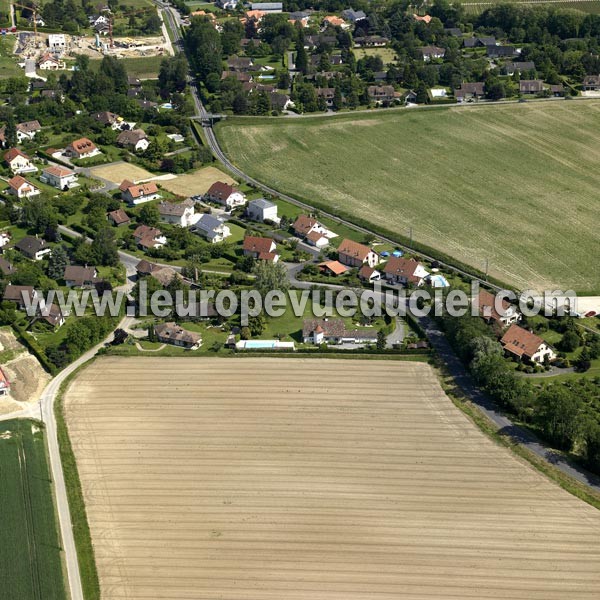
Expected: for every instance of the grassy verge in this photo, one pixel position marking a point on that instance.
(81, 529)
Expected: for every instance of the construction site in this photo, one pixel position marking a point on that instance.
(41, 51)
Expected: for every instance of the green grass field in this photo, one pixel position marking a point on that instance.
(30, 552)
(144, 67)
(387, 55)
(514, 184)
(588, 6)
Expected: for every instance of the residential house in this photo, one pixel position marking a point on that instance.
(280, 102)
(149, 237)
(262, 210)
(353, 254)
(328, 94)
(27, 131)
(21, 188)
(227, 4)
(53, 316)
(368, 274)
(33, 247)
(470, 91)
(225, 194)
(479, 42)
(531, 86)
(19, 162)
(50, 63)
(510, 68)
(82, 148)
(333, 331)
(424, 19)
(353, 15)
(180, 213)
(261, 248)
(558, 90)
(502, 51)
(211, 228)
(316, 238)
(371, 41)
(591, 83)
(405, 271)
(172, 333)
(6, 268)
(335, 21)
(118, 217)
(333, 267)
(110, 119)
(381, 94)
(311, 42)
(429, 53)
(453, 31)
(5, 237)
(505, 314)
(145, 267)
(59, 177)
(139, 193)
(241, 77)
(147, 104)
(135, 139)
(312, 231)
(81, 277)
(522, 343)
(267, 7)
(239, 63)
(22, 295)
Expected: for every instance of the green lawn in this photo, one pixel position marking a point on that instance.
(144, 67)
(387, 55)
(30, 552)
(8, 62)
(514, 184)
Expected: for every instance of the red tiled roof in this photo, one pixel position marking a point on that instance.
(403, 267)
(521, 342)
(257, 244)
(336, 267)
(354, 249)
(220, 190)
(119, 216)
(82, 146)
(13, 153)
(142, 189)
(304, 224)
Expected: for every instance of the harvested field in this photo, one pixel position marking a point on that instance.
(264, 479)
(116, 173)
(512, 184)
(197, 182)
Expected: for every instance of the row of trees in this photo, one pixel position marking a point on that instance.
(566, 414)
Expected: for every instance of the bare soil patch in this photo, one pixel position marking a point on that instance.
(116, 173)
(197, 182)
(264, 479)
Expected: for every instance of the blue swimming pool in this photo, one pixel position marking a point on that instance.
(254, 344)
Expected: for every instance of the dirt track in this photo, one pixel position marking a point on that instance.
(272, 479)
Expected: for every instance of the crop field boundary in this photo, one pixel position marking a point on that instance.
(81, 529)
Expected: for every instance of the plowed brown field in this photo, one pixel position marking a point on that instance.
(300, 479)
